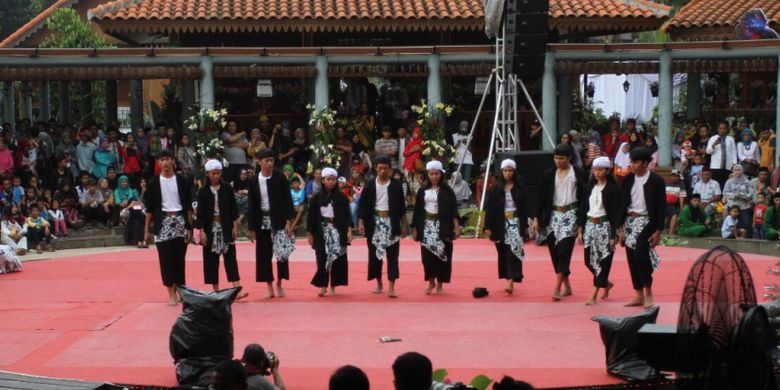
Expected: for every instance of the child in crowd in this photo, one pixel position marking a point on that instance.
(58, 219)
(17, 191)
(298, 198)
(38, 231)
(397, 175)
(759, 210)
(729, 228)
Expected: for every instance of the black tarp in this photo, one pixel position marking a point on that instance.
(619, 335)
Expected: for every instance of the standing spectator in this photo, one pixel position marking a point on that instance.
(6, 160)
(13, 233)
(535, 135)
(747, 153)
(759, 210)
(236, 145)
(85, 151)
(772, 219)
(462, 152)
(675, 198)
(132, 157)
(103, 159)
(575, 159)
(314, 186)
(61, 172)
(761, 185)
(614, 138)
(38, 230)
(738, 192)
(92, 205)
(403, 140)
(386, 146)
(694, 173)
(766, 144)
(185, 157)
(241, 191)
(142, 139)
(256, 144)
(413, 153)
(344, 147)
(677, 150)
(115, 147)
(622, 163)
(723, 153)
(299, 151)
(25, 159)
(776, 176)
(283, 140)
(365, 125)
(461, 189)
(594, 147)
(710, 192)
(65, 146)
(17, 191)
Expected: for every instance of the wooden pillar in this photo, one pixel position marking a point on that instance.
(549, 101)
(111, 103)
(44, 104)
(85, 106)
(665, 104)
(694, 96)
(136, 104)
(64, 109)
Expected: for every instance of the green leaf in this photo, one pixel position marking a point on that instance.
(480, 382)
(439, 375)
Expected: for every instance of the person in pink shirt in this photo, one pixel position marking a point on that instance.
(6, 160)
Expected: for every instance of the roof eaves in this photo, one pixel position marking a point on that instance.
(34, 24)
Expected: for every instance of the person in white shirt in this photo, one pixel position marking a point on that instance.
(723, 154)
(168, 204)
(709, 190)
(748, 153)
(463, 153)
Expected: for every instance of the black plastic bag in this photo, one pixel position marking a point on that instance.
(205, 327)
(619, 335)
(196, 372)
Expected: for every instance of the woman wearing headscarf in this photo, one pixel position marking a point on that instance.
(738, 192)
(329, 231)
(598, 215)
(677, 147)
(124, 194)
(652, 146)
(747, 153)
(506, 224)
(104, 158)
(435, 225)
(576, 159)
(413, 152)
(622, 162)
(461, 189)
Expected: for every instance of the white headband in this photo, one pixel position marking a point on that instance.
(602, 162)
(508, 163)
(434, 165)
(329, 172)
(213, 165)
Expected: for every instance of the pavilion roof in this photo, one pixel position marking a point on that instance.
(716, 19)
(34, 24)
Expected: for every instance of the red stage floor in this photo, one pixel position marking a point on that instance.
(103, 317)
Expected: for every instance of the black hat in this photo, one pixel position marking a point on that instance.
(562, 150)
(264, 153)
(696, 196)
(480, 292)
(382, 160)
(165, 153)
(641, 154)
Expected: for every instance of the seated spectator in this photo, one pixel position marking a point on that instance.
(69, 203)
(737, 192)
(134, 227)
(761, 184)
(772, 219)
(241, 191)
(709, 190)
(258, 365)
(289, 173)
(387, 146)
(109, 208)
(81, 187)
(692, 222)
(113, 179)
(348, 378)
(397, 175)
(413, 153)
(58, 219)
(747, 153)
(508, 383)
(6, 160)
(299, 201)
(412, 371)
(622, 162)
(92, 205)
(124, 193)
(38, 231)
(675, 198)
(314, 186)
(730, 228)
(229, 375)
(759, 210)
(14, 234)
(461, 189)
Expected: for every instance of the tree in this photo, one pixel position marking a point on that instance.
(15, 13)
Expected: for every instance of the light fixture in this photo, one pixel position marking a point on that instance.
(626, 85)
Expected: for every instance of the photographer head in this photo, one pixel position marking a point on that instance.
(229, 375)
(258, 363)
(348, 378)
(412, 371)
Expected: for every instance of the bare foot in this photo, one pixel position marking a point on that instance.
(332, 292)
(242, 295)
(566, 293)
(322, 292)
(509, 290)
(378, 290)
(392, 294)
(440, 291)
(638, 301)
(280, 291)
(269, 295)
(606, 290)
(556, 296)
(590, 302)
(430, 288)
(648, 302)
(171, 301)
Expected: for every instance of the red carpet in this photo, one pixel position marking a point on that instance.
(103, 317)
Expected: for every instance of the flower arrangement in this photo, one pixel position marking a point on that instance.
(208, 143)
(431, 121)
(322, 122)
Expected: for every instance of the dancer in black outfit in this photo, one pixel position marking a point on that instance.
(218, 220)
(599, 225)
(561, 191)
(506, 224)
(270, 220)
(382, 219)
(435, 225)
(169, 211)
(329, 231)
(642, 207)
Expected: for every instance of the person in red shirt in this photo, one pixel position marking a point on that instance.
(758, 215)
(614, 138)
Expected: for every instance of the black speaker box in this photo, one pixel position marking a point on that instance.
(527, 23)
(528, 6)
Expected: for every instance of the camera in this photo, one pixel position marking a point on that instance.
(270, 356)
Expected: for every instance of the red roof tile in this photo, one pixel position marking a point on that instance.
(720, 13)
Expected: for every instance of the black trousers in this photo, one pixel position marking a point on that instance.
(375, 263)
(35, 235)
(561, 254)
(602, 279)
(509, 266)
(434, 267)
(639, 262)
(264, 251)
(94, 214)
(211, 265)
(171, 255)
(338, 275)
